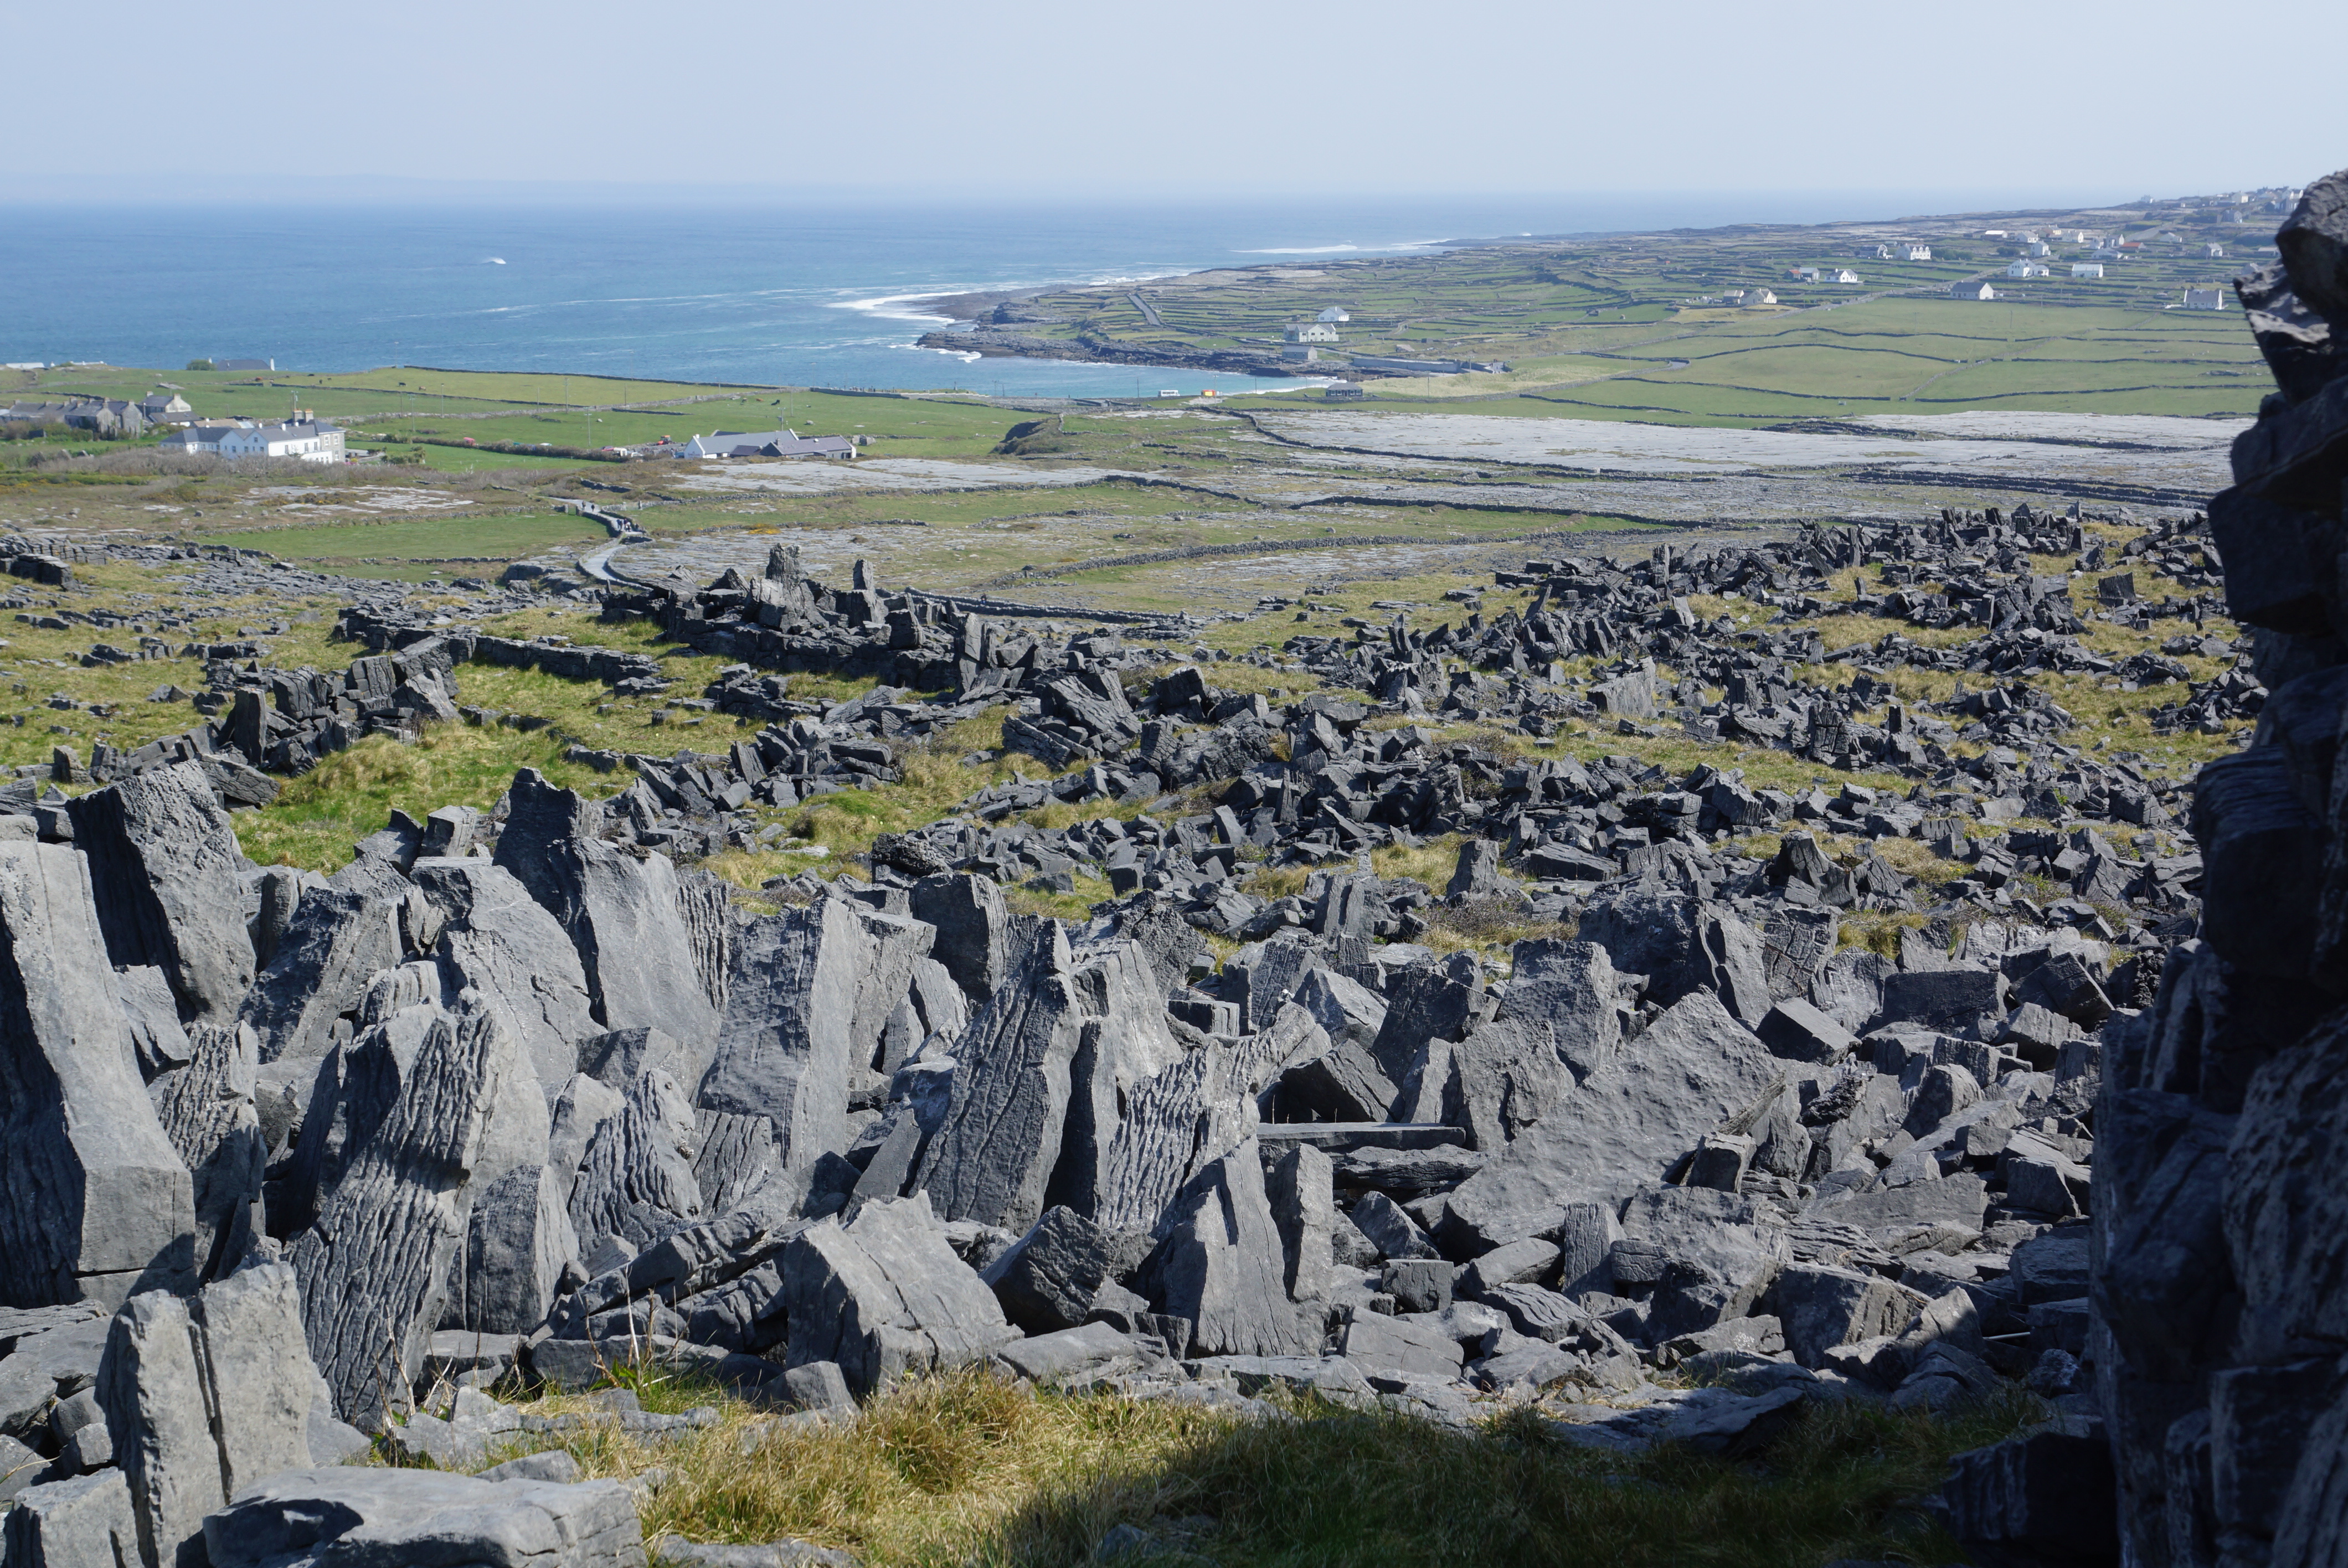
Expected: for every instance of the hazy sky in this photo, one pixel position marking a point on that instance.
(1045, 99)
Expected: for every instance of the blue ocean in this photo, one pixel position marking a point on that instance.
(771, 296)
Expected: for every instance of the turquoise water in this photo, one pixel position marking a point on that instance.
(773, 296)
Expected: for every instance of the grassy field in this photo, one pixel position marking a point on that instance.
(967, 1470)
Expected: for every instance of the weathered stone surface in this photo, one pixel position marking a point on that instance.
(83, 1521)
(2287, 1190)
(1048, 1278)
(330, 952)
(1113, 1160)
(978, 938)
(375, 1268)
(991, 1158)
(354, 1516)
(163, 866)
(1219, 1262)
(1379, 1343)
(636, 1179)
(2041, 1499)
(787, 1040)
(1300, 1188)
(1695, 1070)
(620, 914)
(495, 939)
(151, 1386)
(208, 1112)
(1342, 1083)
(885, 1294)
(94, 1201)
(158, 1040)
(1822, 1307)
(1073, 1356)
(519, 1240)
(1343, 1008)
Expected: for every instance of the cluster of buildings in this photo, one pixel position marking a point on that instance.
(103, 416)
(304, 436)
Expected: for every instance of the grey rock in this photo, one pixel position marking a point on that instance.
(1730, 961)
(885, 1294)
(94, 1201)
(518, 1242)
(1390, 1228)
(375, 1268)
(979, 942)
(1375, 1342)
(671, 1549)
(553, 1465)
(1073, 1356)
(1428, 1003)
(495, 939)
(1822, 1307)
(151, 1386)
(818, 1386)
(580, 1110)
(993, 1154)
(163, 864)
(636, 1179)
(787, 1040)
(2048, 1498)
(207, 1110)
(1048, 1279)
(84, 1521)
(330, 953)
(1342, 1083)
(1121, 1106)
(1343, 1008)
(1219, 1262)
(325, 1518)
(1298, 1187)
(621, 915)
(1695, 1070)
(1799, 1031)
(156, 1037)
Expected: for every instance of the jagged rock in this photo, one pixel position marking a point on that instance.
(94, 1200)
(158, 1040)
(885, 1294)
(1822, 1307)
(335, 945)
(993, 1154)
(636, 1178)
(163, 864)
(496, 940)
(316, 1518)
(1345, 1009)
(1049, 1278)
(1300, 1189)
(374, 1268)
(980, 942)
(207, 1110)
(1219, 1262)
(1389, 1228)
(622, 913)
(1695, 1070)
(2046, 1499)
(518, 1242)
(82, 1522)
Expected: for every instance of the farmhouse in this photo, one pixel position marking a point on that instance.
(2214, 252)
(1333, 313)
(767, 444)
(1309, 331)
(2086, 268)
(2205, 299)
(304, 436)
(2025, 268)
(105, 417)
(1846, 276)
(1756, 298)
(1915, 251)
(1974, 289)
(165, 408)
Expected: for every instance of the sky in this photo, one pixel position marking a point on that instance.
(748, 100)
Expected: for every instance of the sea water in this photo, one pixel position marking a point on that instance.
(775, 295)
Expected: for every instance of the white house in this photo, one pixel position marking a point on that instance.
(1756, 298)
(1309, 331)
(2038, 247)
(1846, 275)
(1803, 275)
(1333, 313)
(2214, 252)
(1912, 251)
(2086, 268)
(1974, 289)
(301, 437)
(2025, 268)
(2205, 299)
(766, 444)
(1883, 252)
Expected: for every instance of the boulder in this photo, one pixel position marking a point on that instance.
(208, 1112)
(1219, 1262)
(164, 866)
(82, 1522)
(636, 1178)
(495, 939)
(374, 1268)
(885, 1294)
(1695, 1070)
(1048, 1278)
(94, 1200)
(332, 949)
(425, 1518)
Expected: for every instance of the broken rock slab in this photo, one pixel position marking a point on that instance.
(164, 863)
(94, 1201)
(1695, 1070)
(327, 1518)
(885, 1294)
(1219, 1262)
